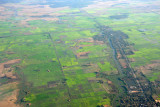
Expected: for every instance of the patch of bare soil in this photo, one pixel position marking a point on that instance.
(6, 14)
(109, 82)
(99, 42)
(107, 106)
(118, 55)
(24, 22)
(6, 70)
(82, 54)
(30, 12)
(156, 98)
(123, 63)
(132, 60)
(150, 67)
(9, 98)
(38, 12)
(9, 91)
(90, 40)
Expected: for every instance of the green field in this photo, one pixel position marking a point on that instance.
(63, 65)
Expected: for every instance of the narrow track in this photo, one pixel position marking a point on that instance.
(59, 62)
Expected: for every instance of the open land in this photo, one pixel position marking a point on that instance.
(94, 54)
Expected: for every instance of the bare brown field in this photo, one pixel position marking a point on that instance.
(10, 98)
(149, 67)
(82, 54)
(31, 12)
(6, 70)
(6, 13)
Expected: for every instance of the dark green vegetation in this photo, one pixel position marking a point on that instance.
(123, 16)
(104, 55)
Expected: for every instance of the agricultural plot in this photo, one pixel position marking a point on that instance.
(146, 52)
(82, 55)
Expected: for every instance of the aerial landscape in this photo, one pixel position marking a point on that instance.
(79, 53)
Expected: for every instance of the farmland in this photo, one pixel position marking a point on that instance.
(101, 53)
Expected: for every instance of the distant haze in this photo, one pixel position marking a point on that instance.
(61, 3)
